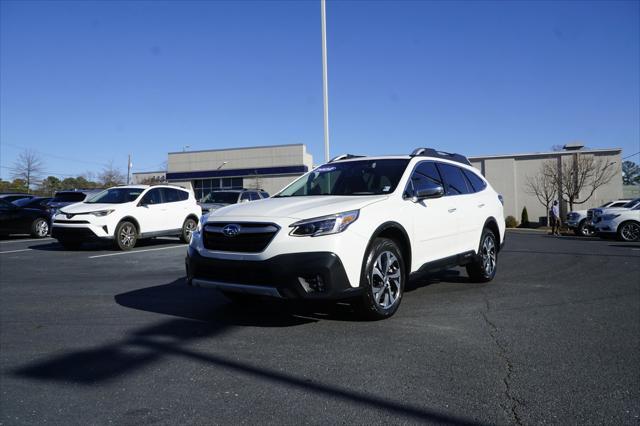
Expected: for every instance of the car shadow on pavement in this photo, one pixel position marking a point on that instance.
(428, 278)
(170, 339)
(628, 245)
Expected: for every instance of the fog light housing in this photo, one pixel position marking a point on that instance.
(312, 283)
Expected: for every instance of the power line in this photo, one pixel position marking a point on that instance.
(632, 155)
(57, 156)
(47, 173)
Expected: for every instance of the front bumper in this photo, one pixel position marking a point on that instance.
(78, 233)
(309, 275)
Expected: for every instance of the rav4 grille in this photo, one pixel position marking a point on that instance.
(238, 237)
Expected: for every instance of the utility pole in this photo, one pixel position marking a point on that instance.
(129, 170)
(325, 86)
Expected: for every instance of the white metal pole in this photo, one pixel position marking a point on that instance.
(325, 86)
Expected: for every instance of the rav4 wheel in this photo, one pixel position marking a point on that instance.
(188, 227)
(126, 235)
(39, 228)
(629, 231)
(483, 267)
(383, 280)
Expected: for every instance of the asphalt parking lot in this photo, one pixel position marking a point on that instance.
(97, 336)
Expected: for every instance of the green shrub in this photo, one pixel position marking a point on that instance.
(511, 222)
(524, 222)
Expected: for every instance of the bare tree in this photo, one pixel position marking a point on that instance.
(28, 167)
(543, 185)
(111, 176)
(579, 178)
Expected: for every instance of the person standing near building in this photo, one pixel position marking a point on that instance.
(554, 215)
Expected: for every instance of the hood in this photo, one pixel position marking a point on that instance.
(212, 206)
(299, 207)
(79, 208)
(580, 212)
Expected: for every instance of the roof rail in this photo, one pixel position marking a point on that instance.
(430, 152)
(345, 157)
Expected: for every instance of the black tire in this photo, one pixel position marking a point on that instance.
(383, 280)
(70, 244)
(583, 230)
(484, 265)
(189, 225)
(629, 231)
(39, 228)
(126, 236)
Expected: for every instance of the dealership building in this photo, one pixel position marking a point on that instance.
(273, 167)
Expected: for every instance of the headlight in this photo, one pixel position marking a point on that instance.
(201, 222)
(101, 213)
(324, 225)
(606, 217)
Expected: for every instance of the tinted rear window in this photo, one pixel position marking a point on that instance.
(69, 197)
(476, 182)
(455, 183)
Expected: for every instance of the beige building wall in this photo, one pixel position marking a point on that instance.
(508, 175)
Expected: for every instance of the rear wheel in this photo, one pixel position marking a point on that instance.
(188, 227)
(383, 280)
(629, 231)
(483, 268)
(126, 235)
(39, 228)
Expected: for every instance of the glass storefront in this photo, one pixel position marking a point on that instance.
(202, 187)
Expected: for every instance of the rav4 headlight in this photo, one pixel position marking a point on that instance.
(101, 213)
(606, 217)
(324, 225)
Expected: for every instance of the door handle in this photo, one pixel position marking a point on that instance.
(452, 210)
(481, 205)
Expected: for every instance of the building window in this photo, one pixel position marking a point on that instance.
(202, 187)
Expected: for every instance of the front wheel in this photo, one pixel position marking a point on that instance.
(126, 236)
(629, 231)
(483, 268)
(585, 230)
(383, 280)
(39, 228)
(188, 227)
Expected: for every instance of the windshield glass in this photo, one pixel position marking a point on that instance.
(69, 197)
(116, 196)
(631, 204)
(364, 177)
(220, 197)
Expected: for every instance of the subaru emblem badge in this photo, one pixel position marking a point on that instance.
(231, 230)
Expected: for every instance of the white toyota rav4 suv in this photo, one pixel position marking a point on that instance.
(354, 228)
(125, 214)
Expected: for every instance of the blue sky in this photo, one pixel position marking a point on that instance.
(86, 83)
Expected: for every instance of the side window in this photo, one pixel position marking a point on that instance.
(425, 172)
(264, 194)
(455, 182)
(170, 195)
(182, 195)
(245, 197)
(254, 196)
(152, 197)
(476, 183)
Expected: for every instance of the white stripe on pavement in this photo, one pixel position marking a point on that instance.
(14, 251)
(25, 241)
(137, 251)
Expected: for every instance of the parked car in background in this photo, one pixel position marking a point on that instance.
(220, 198)
(579, 220)
(40, 203)
(354, 229)
(20, 220)
(623, 224)
(65, 198)
(12, 196)
(125, 214)
(595, 213)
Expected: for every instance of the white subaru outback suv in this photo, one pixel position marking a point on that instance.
(125, 214)
(354, 228)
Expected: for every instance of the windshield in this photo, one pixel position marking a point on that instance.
(220, 197)
(69, 197)
(364, 177)
(631, 204)
(116, 196)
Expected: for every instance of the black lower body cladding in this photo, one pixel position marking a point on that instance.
(316, 275)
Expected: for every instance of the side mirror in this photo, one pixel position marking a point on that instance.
(428, 190)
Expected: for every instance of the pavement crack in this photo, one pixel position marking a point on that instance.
(513, 403)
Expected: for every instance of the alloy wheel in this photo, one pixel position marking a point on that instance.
(630, 231)
(127, 235)
(488, 255)
(42, 228)
(386, 279)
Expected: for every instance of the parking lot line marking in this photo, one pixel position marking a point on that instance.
(25, 241)
(14, 251)
(137, 251)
